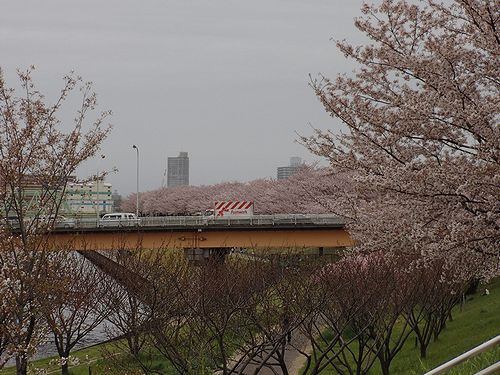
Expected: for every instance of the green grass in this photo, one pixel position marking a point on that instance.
(100, 362)
(478, 363)
(88, 357)
(474, 323)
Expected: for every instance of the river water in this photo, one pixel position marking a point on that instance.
(48, 349)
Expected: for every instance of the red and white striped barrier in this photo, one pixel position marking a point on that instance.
(233, 208)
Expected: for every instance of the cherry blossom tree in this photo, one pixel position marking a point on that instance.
(349, 297)
(6, 346)
(279, 307)
(201, 321)
(131, 309)
(422, 141)
(440, 291)
(128, 317)
(308, 191)
(74, 303)
(38, 153)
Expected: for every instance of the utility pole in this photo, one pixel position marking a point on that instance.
(98, 192)
(137, 187)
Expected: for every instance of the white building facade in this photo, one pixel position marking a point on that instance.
(91, 198)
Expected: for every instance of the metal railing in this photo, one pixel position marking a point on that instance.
(210, 221)
(471, 353)
(175, 222)
(291, 219)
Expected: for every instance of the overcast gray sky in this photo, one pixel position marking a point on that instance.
(225, 80)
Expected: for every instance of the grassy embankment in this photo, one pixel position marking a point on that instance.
(474, 323)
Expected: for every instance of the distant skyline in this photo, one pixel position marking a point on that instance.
(225, 81)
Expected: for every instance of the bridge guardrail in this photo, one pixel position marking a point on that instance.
(203, 221)
(257, 220)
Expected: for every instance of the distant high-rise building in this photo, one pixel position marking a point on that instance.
(117, 201)
(295, 161)
(178, 170)
(284, 172)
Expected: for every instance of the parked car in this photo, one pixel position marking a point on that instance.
(119, 219)
(58, 221)
(64, 222)
(43, 221)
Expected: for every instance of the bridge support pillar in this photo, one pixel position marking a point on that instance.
(198, 255)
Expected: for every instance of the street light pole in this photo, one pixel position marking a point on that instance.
(98, 216)
(137, 187)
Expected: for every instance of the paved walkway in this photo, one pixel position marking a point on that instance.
(294, 360)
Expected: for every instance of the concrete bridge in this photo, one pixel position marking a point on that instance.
(201, 237)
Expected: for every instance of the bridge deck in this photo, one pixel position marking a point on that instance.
(187, 232)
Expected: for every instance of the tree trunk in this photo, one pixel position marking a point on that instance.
(385, 367)
(65, 364)
(64, 368)
(133, 346)
(21, 365)
(423, 351)
(282, 361)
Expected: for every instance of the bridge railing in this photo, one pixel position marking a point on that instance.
(210, 221)
(257, 220)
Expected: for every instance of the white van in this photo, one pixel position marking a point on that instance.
(119, 219)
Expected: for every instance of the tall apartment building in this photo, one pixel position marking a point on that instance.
(284, 172)
(178, 170)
